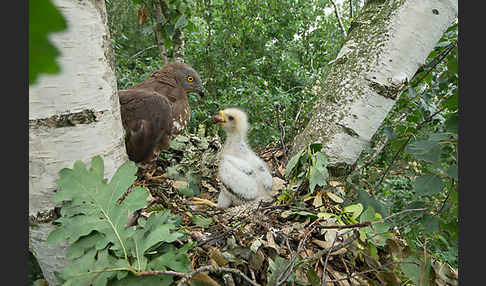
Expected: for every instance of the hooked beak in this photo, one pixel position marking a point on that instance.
(219, 118)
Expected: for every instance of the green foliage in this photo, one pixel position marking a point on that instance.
(250, 54)
(310, 164)
(425, 122)
(44, 19)
(275, 268)
(379, 232)
(192, 158)
(102, 250)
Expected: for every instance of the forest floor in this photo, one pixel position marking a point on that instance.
(284, 242)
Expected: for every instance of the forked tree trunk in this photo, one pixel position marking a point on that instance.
(385, 46)
(73, 115)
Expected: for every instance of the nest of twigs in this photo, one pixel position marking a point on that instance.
(260, 243)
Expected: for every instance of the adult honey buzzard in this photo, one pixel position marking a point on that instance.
(157, 109)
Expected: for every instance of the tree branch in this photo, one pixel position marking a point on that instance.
(288, 270)
(338, 16)
(211, 268)
(419, 126)
(371, 270)
(281, 128)
(350, 9)
(325, 262)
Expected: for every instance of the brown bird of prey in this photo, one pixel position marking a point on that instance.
(244, 175)
(157, 109)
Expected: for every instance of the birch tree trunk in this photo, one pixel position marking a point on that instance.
(385, 46)
(73, 115)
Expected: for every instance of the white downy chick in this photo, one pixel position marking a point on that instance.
(245, 176)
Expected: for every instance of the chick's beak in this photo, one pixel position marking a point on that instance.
(219, 118)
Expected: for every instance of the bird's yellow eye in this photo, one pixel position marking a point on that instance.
(190, 78)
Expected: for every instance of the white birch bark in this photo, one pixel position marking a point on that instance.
(86, 85)
(386, 45)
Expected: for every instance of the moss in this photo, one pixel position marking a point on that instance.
(368, 31)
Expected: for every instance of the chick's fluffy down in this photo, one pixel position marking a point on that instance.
(245, 176)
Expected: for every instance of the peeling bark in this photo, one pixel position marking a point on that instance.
(73, 115)
(386, 45)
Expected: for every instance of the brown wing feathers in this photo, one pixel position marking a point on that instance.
(156, 109)
(147, 119)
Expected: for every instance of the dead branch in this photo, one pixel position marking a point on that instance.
(322, 252)
(325, 262)
(338, 16)
(372, 270)
(350, 9)
(281, 128)
(288, 270)
(419, 126)
(211, 268)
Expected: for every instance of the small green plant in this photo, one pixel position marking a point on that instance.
(309, 164)
(102, 250)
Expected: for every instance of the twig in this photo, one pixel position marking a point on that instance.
(448, 194)
(160, 272)
(398, 213)
(419, 126)
(217, 237)
(146, 49)
(281, 128)
(298, 86)
(350, 9)
(325, 262)
(389, 218)
(411, 222)
(298, 112)
(346, 267)
(447, 51)
(212, 268)
(368, 223)
(371, 270)
(288, 270)
(338, 17)
(425, 259)
(337, 226)
(335, 248)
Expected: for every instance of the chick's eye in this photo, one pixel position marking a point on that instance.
(231, 117)
(190, 78)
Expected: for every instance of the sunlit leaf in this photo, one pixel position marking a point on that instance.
(181, 22)
(354, 209)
